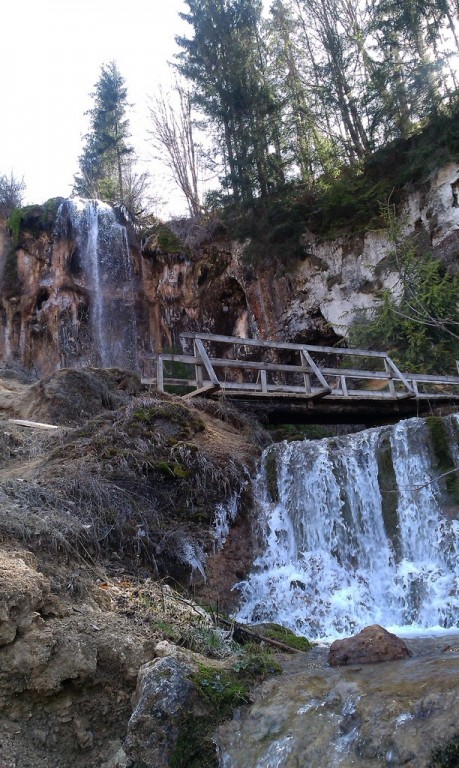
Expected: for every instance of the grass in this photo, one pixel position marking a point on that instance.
(134, 484)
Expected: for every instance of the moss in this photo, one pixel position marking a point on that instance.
(446, 756)
(291, 432)
(284, 635)
(33, 219)
(174, 413)
(440, 439)
(167, 241)
(389, 495)
(194, 747)
(14, 225)
(271, 476)
(220, 692)
(10, 283)
(171, 469)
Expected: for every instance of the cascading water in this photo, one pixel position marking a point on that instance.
(104, 260)
(356, 531)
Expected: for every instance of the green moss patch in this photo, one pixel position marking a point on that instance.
(220, 692)
(284, 635)
(440, 441)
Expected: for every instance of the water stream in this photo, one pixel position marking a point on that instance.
(102, 256)
(356, 530)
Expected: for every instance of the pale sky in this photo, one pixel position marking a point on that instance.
(51, 52)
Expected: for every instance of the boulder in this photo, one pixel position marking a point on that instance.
(371, 645)
(165, 697)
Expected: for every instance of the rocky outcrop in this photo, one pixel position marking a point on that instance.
(164, 699)
(60, 703)
(371, 645)
(56, 312)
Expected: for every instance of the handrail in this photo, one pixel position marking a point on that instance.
(316, 381)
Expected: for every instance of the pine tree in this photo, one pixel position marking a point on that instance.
(226, 62)
(105, 155)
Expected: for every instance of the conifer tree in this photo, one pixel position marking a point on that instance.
(105, 155)
(225, 59)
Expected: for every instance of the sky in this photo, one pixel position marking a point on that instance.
(51, 53)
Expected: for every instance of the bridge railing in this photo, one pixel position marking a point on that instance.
(232, 365)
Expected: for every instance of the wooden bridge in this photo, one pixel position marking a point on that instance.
(289, 382)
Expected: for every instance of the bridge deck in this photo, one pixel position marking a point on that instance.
(297, 378)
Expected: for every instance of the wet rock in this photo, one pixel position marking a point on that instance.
(373, 644)
(164, 698)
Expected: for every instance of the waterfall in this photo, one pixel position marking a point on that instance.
(103, 260)
(356, 530)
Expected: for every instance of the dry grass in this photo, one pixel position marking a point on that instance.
(132, 482)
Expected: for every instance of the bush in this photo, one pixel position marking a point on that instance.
(418, 322)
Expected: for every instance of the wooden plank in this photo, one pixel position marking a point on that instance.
(190, 359)
(206, 362)
(33, 424)
(208, 389)
(280, 345)
(316, 370)
(264, 381)
(306, 377)
(222, 362)
(429, 378)
(398, 374)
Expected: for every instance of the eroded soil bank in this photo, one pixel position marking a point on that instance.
(101, 522)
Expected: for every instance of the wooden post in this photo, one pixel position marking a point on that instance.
(390, 380)
(264, 382)
(343, 386)
(159, 373)
(198, 368)
(306, 376)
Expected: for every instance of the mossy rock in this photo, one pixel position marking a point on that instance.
(220, 692)
(271, 476)
(283, 635)
(446, 756)
(440, 439)
(33, 219)
(389, 494)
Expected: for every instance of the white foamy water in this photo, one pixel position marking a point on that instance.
(105, 262)
(357, 534)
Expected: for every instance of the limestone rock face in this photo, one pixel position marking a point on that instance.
(371, 645)
(58, 308)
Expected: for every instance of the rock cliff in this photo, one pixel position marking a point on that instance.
(79, 287)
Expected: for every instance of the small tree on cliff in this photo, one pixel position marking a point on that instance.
(103, 162)
(11, 190)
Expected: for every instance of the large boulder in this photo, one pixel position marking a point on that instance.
(164, 699)
(371, 645)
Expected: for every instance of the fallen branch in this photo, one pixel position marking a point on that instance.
(260, 638)
(32, 424)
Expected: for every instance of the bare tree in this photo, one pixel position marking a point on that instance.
(172, 133)
(11, 190)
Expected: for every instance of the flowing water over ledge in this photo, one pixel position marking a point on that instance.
(372, 716)
(356, 531)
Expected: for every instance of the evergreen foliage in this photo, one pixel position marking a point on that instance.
(316, 87)
(104, 163)
(418, 321)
